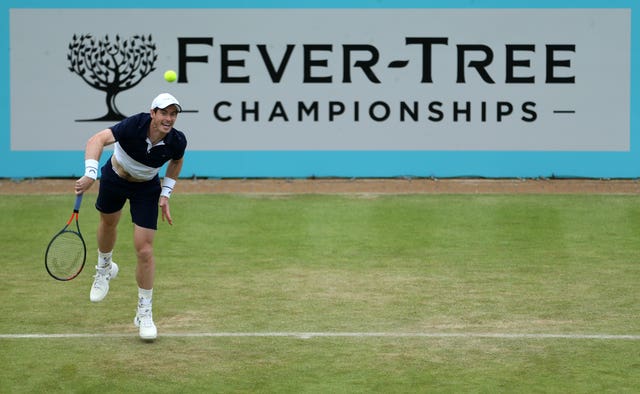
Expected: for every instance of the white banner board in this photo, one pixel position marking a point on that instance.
(328, 79)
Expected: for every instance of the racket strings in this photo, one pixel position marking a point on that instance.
(66, 254)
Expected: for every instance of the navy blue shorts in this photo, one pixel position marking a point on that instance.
(143, 197)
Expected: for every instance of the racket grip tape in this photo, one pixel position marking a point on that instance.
(76, 207)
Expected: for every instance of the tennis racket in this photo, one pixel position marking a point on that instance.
(67, 252)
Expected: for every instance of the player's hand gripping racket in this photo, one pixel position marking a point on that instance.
(67, 251)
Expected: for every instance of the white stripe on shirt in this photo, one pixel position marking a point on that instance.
(133, 167)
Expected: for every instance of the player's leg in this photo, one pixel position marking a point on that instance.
(143, 243)
(144, 213)
(108, 231)
(145, 273)
(111, 199)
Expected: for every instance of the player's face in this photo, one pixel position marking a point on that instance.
(164, 119)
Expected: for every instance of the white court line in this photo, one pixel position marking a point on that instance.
(309, 335)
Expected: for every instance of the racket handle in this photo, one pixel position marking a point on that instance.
(76, 208)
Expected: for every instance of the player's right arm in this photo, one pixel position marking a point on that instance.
(92, 154)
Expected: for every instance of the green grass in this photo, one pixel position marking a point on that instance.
(443, 264)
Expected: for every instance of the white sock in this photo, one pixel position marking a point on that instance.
(104, 259)
(144, 297)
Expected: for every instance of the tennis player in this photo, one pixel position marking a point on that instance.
(143, 143)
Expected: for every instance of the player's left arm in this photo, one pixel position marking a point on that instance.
(168, 183)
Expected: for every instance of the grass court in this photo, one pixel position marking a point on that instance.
(335, 294)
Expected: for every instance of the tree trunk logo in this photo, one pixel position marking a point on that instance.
(111, 67)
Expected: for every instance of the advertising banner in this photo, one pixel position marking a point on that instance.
(363, 91)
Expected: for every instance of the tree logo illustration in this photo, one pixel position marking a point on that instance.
(111, 67)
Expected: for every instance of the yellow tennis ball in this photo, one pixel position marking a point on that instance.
(170, 76)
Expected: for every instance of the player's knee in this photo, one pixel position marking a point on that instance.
(145, 253)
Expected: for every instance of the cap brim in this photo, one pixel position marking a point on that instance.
(169, 105)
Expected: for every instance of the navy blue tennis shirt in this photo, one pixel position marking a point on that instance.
(131, 134)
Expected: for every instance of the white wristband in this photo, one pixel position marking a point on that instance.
(91, 168)
(167, 187)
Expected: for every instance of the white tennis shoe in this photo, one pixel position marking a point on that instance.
(100, 286)
(144, 321)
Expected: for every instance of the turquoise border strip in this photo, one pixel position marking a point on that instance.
(321, 4)
(296, 164)
(303, 164)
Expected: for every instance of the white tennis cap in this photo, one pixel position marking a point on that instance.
(163, 100)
